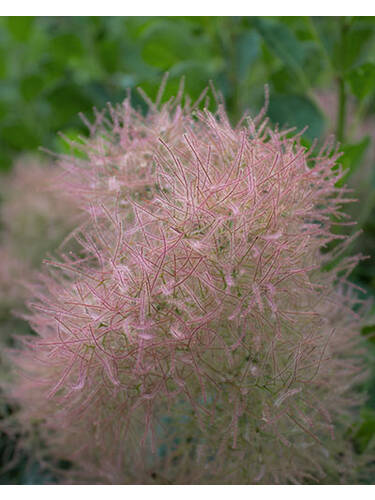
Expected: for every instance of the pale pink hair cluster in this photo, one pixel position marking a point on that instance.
(194, 337)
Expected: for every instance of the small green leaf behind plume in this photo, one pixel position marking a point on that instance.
(167, 43)
(31, 86)
(369, 333)
(297, 111)
(248, 50)
(282, 42)
(350, 49)
(352, 158)
(20, 27)
(365, 433)
(362, 80)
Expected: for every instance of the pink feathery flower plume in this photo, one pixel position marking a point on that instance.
(195, 337)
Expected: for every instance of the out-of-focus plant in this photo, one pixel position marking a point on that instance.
(34, 220)
(35, 217)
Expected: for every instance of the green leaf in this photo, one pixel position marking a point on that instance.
(67, 100)
(282, 42)
(248, 49)
(66, 46)
(315, 63)
(20, 27)
(6, 158)
(31, 86)
(18, 136)
(3, 63)
(109, 52)
(284, 81)
(167, 43)
(352, 157)
(4, 108)
(369, 332)
(197, 75)
(351, 49)
(362, 80)
(366, 431)
(297, 111)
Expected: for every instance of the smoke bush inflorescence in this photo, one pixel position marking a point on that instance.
(34, 219)
(194, 337)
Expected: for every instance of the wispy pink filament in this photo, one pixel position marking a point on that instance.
(197, 295)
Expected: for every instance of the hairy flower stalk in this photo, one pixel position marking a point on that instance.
(195, 337)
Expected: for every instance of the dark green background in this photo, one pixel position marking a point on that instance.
(320, 72)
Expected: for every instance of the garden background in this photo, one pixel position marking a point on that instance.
(320, 73)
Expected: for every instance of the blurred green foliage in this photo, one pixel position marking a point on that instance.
(320, 72)
(53, 67)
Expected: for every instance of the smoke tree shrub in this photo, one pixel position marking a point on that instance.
(35, 216)
(34, 220)
(195, 336)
